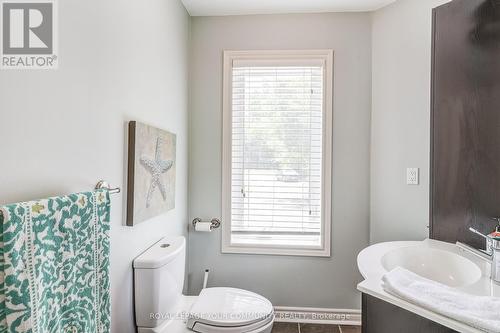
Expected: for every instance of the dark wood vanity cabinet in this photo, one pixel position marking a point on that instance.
(382, 317)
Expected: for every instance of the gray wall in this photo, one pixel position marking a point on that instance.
(401, 39)
(62, 130)
(286, 281)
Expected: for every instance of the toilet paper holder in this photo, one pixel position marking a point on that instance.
(215, 222)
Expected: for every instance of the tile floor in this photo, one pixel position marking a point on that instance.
(313, 328)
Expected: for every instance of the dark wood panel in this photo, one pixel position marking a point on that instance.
(382, 317)
(465, 129)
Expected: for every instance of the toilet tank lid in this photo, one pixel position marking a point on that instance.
(161, 253)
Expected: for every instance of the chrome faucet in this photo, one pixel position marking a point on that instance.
(491, 254)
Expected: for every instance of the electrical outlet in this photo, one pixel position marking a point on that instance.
(412, 176)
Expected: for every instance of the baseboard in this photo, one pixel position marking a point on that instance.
(317, 316)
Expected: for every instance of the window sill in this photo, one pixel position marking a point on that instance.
(276, 251)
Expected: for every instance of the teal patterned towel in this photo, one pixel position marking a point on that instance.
(54, 265)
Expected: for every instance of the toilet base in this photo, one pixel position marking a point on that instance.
(180, 325)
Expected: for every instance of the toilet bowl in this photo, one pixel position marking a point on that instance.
(160, 306)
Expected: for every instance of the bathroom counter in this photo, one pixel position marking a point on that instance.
(372, 265)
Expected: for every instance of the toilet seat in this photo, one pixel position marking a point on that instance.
(230, 310)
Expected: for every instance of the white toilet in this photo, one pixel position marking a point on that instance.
(160, 306)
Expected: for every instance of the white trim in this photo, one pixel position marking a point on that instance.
(317, 316)
(326, 56)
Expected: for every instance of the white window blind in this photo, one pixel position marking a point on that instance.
(276, 166)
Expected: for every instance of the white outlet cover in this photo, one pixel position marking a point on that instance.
(412, 176)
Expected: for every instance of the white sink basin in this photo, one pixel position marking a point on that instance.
(441, 266)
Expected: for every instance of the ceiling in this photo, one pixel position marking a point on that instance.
(245, 7)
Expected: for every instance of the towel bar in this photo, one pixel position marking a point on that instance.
(105, 185)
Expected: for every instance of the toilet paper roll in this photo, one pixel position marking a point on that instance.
(203, 226)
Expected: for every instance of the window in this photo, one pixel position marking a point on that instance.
(277, 143)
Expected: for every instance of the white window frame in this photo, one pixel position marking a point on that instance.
(326, 56)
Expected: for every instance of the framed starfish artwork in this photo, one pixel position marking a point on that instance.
(151, 172)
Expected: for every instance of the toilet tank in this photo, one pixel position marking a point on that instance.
(159, 280)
